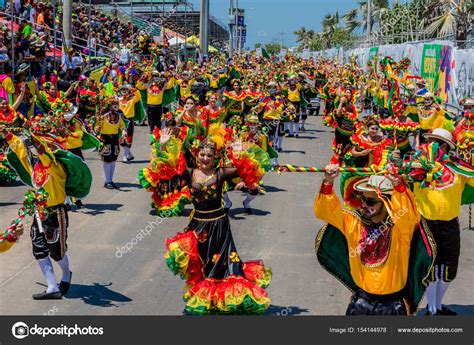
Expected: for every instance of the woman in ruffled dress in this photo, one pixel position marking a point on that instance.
(205, 255)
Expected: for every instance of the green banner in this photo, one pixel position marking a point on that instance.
(430, 65)
(373, 52)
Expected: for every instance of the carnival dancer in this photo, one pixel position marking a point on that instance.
(379, 252)
(194, 117)
(86, 98)
(440, 209)
(218, 281)
(233, 102)
(155, 88)
(32, 158)
(11, 118)
(273, 110)
(398, 128)
(308, 92)
(368, 144)
(251, 133)
(73, 139)
(431, 116)
(109, 127)
(128, 98)
(49, 93)
(212, 109)
(252, 95)
(345, 117)
(185, 84)
(292, 92)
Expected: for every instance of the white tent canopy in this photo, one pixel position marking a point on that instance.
(175, 40)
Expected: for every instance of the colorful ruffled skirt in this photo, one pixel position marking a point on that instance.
(217, 281)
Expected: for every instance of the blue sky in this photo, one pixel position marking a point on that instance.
(267, 19)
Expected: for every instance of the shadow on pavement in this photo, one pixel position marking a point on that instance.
(127, 185)
(2, 204)
(240, 210)
(459, 309)
(13, 184)
(95, 209)
(294, 151)
(273, 189)
(314, 131)
(96, 294)
(305, 137)
(285, 311)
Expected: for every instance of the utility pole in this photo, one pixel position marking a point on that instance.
(231, 28)
(67, 21)
(237, 11)
(204, 28)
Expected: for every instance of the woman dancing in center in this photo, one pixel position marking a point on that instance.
(205, 255)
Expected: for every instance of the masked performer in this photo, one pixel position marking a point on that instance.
(440, 208)
(379, 251)
(128, 98)
(155, 88)
(41, 163)
(109, 127)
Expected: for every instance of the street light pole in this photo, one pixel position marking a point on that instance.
(204, 28)
(67, 19)
(231, 28)
(369, 18)
(237, 43)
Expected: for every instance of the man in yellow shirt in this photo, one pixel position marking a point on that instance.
(440, 210)
(293, 93)
(372, 250)
(110, 125)
(155, 90)
(49, 235)
(128, 97)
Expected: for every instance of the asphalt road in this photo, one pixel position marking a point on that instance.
(135, 281)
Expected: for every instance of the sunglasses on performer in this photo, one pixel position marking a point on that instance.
(370, 201)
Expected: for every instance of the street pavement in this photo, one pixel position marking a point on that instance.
(116, 244)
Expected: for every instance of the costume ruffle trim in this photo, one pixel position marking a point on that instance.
(251, 164)
(232, 295)
(171, 204)
(207, 296)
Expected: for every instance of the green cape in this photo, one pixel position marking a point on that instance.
(333, 255)
(79, 177)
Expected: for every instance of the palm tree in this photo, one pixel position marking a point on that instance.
(357, 18)
(304, 37)
(330, 25)
(449, 18)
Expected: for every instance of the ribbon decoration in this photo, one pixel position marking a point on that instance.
(428, 166)
(35, 200)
